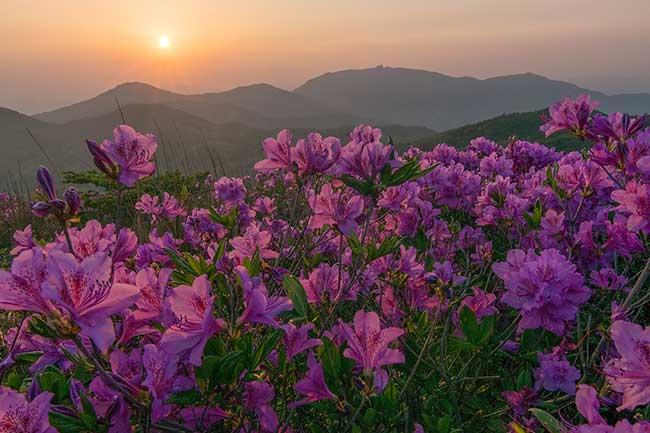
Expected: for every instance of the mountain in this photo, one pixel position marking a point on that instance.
(416, 97)
(259, 105)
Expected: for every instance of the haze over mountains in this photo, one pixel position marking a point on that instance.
(210, 130)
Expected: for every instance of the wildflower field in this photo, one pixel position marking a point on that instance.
(344, 287)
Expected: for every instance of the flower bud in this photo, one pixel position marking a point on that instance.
(46, 182)
(73, 200)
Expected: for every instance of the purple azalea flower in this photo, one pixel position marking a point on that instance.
(588, 405)
(520, 400)
(193, 323)
(364, 155)
(545, 288)
(17, 415)
(125, 245)
(23, 240)
(258, 397)
(278, 152)
(327, 284)
(555, 373)
(296, 340)
(313, 385)
(259, 306)
(230, 189)
(131, 152)
(368, 343)
(86, 290)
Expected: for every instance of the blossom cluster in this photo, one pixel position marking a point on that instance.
(345, 286)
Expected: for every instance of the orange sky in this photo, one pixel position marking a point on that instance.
(59, 52)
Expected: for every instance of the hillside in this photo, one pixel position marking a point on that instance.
(416, 97)
(524, 126)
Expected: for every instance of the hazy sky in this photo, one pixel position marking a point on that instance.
(62, 51)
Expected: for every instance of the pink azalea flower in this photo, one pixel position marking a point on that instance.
(630, 372)
(570, 114)
(17, 415)
(23, 240)
(278, 152)
(152, 293)
(635, 202)
(87, 292)
(331, 207)
(230, 189)
(296, 340)
(259, 306)
(369, 344)
(323, 285)
(313, 385)
(132, 153)
(253, 239)
(588, 404)
(315, 154)
(193, 323)
(21, 288)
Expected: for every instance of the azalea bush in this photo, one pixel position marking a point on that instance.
(344, 287)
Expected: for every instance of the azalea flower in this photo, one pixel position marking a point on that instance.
(130, 151)
(313, 385)
(22, 287)
(193, 322)
(629, 373)
(635, 202)
(331, 207)
(258, 397)
(545, 288)
(368, 343)
(555, 373)
(315, 154)
(570, 114)
(259, 306)
(85, 289)
(19, 415)
(296, 340)
(278, 152)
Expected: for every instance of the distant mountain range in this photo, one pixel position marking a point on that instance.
(214, 130)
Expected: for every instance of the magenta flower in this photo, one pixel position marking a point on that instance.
(368, 343)
(545, 288)
(588, 405)
(152, 293)
(555, 373)
(315, 154)
(520, 400)
(87, 291)
(630, 372)
(23, 240)
(333, 208)
(21, 289)
(296, 340)
(278, 152)
(253, 240)
(635, 202)
(258, 397)
(326, 284)
(259, 306)
(313, 385)
(570, 114)
(230, 189)
(131, 152)
(17, 415)
(193, 323)
(364, 155)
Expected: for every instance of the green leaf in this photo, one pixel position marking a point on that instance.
(549, 422)
(469, 325)
(29, 357)
(185, 398)
(296, 292)
(66, 423)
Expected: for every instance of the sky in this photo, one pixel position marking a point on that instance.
(57, 52)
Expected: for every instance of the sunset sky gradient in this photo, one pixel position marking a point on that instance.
(58, 52)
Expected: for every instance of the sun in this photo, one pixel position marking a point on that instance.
(163, 42)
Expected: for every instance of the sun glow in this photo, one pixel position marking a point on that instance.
(163, 42)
